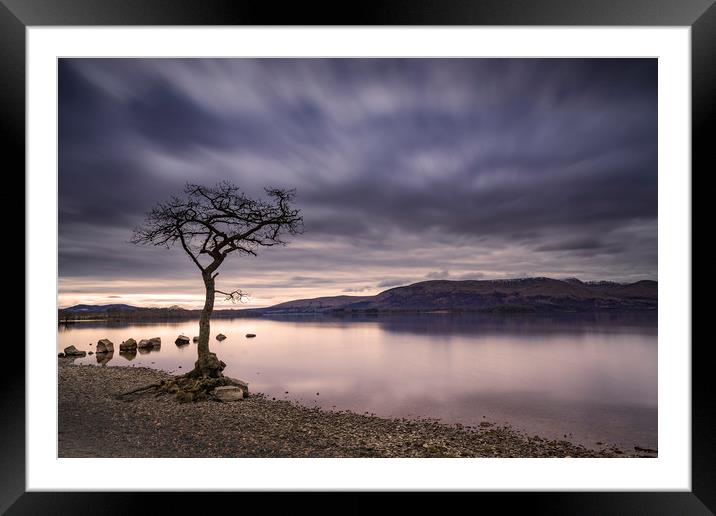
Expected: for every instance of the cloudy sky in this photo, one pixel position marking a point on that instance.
(405, 170)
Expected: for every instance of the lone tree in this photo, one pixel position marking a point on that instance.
(210, 223)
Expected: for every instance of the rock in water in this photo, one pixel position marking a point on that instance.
(229, 393)
(196, 339)
(144, 343)
(104, 346)
(250, 335)
(71, 351)
(128, 345)
(220, 336)
(181, 340)
(60, 355)
(156, 342)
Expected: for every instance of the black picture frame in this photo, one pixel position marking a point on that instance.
(700, 15)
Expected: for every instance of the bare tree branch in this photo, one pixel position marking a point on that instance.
(217, 221)
(234, 296)
(188, 251)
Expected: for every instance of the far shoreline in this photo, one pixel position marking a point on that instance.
(218, 315)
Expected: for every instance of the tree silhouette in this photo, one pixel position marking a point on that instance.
(211, 223)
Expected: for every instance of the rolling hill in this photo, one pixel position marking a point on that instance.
(100, 308)
(513, 295)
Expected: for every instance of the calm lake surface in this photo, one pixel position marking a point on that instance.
(592, 378)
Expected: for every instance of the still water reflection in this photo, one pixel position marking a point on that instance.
(591, 378)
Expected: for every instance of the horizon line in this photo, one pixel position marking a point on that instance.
(386, 288)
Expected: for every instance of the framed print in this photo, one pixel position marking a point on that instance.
(444, 248)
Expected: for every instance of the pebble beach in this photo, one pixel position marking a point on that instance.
(94, 422)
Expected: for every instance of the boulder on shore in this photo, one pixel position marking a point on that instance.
(220, 336)
(250, 335)
(104, 346)
(60, 355)
(128, 345)
(181, 340)
(71, 351)
(229, 393)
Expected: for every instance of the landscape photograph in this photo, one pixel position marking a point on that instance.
(357, 257)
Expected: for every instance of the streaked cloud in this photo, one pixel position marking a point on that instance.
(406, 169)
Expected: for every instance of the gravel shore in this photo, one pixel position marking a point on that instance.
(94, 423)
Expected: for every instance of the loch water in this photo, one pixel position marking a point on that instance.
(587, 378)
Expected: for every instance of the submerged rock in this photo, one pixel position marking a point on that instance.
(181, 340)
(105, 346)
(220, 336)
(71, 351)
(250, 335)
(128, 345)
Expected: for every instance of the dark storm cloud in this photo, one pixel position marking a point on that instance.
(570, 245)
(454, 167)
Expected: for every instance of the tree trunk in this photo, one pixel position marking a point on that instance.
(207, 364)
(205, 320)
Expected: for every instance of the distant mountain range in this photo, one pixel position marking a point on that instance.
(100, 308)
(509, 295)
(513, 295)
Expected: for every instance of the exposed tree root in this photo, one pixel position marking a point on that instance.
(151, 386)
(196, 385)
(190, 388)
